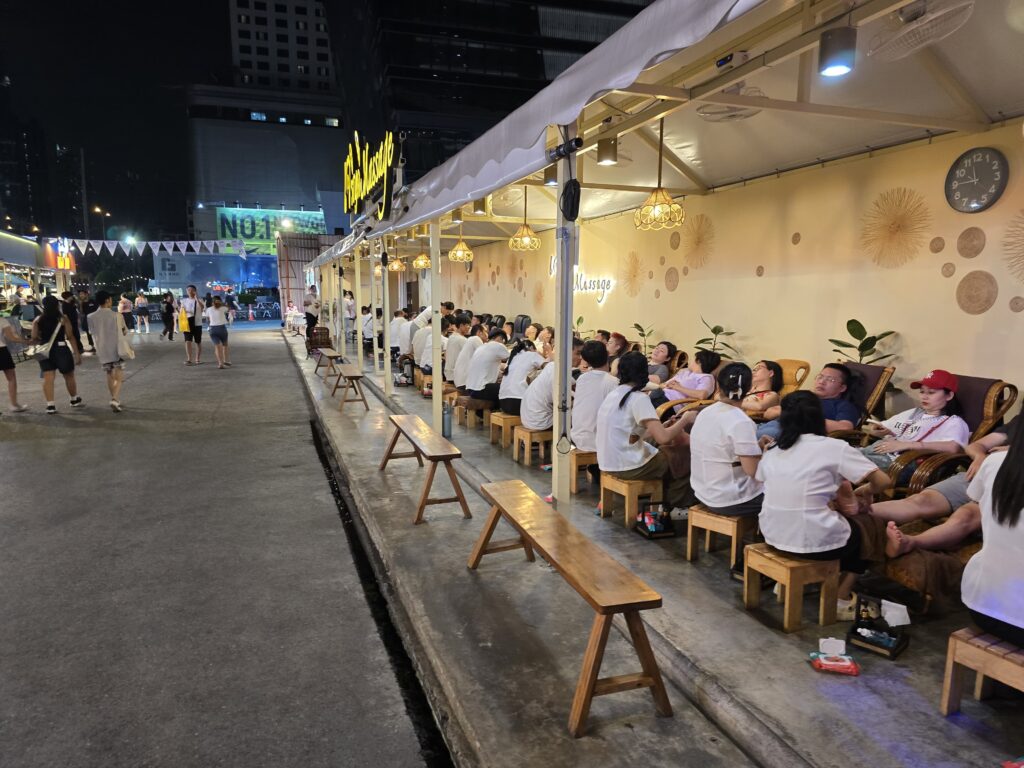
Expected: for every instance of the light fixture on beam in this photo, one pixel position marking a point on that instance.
(378, 270)
(460, 252)
(608, 151)
(480, 207)
(410, 235)
(422, 261)
(457, 216)
(551, 176)
(423, 231)
(837, 51)
(396, 265)
(525, 239)
(659, 210)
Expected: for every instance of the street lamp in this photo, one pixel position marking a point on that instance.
(131, 250)
(102, 215)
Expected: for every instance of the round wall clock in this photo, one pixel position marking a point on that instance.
(976, 180)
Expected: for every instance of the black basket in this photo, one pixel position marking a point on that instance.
(652, 512)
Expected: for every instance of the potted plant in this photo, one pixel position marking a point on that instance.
(714, 343)
(865, 344)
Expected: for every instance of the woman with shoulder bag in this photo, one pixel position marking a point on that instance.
(58, 352)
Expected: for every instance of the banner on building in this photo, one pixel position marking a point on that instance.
(257, 228)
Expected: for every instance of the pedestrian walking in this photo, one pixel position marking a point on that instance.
(311, 305)
(218, 317)
(167, 315)
(141, 312)
(86, 306)
(112, 345)
(231, 302)
(11, 338)
(349, 305)
(124, 308)
(58, 352)
(69, 307)
(193, 307)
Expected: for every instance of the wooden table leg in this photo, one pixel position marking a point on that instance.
(588, 674)
(648, 663)
(426, 493)
(458, 489)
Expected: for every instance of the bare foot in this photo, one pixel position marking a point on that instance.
(896, 543)
(846, 499)
(864, 499)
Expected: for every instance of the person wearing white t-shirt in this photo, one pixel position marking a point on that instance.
(397, 324)
(9, 333)
(217, 316)
(802, 475)
(724, 453)
(934, 426)
(194, 308)
(624, 419)
(349, 309)
(538, 407)
(419, 340)
(456, 341)
(425, 360)
(522, 361)
(482, 378)
(477, 337)
(592, 387)
(992, 580)
(366, 329)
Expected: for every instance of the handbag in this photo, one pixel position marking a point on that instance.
(43, 350)
(183, 320)
(125, 350)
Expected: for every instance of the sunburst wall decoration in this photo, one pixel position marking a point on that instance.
(631, 273)
(698, 240)
(893, 230)
(1013, 246)
(538, 295)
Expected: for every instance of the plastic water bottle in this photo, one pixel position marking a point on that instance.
(446, 420)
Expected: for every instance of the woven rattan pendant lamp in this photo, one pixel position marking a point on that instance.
(659, 210)
(460, 252)
(422, 261)
(525, 239)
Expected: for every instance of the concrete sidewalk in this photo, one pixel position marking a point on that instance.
(176, 585)
(751, 679)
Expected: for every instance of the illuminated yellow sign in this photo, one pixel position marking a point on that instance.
(367, 171)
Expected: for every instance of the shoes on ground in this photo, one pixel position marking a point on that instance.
(846, 610)
(51, 410)
(76, 402)
(189, 362)
(19, 408)
(115, 406)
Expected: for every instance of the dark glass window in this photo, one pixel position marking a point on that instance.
(302, 40)
(282, 67)
(245, 49)
(244, 34)
(261, 21)
(282, 53)
(321, 42)
(281, 23)
(243, 18)
(302, 25)
(245, 64)
(259, 5)
(281, 8)
(300, 10)
(262, 51)
(302, 55)
(323, 57)
(263, 80)
(263, 66)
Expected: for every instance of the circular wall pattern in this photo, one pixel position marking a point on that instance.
(519, 285)
(631, 271)
(795, 239)
(673, 241)
(1017, 304)
(893, 229)
(1013, 246)
(686, 271)
(650, 274)
(498, 269)
(657, 294)
(971, 242)
(760, 271)
(936, 245)
(662, 261)
(977, 292)
(671, 279)
(700, 239)
(948, 269)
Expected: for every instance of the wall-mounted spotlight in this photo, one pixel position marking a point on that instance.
(551, 176)
(608, 151)
(837, 51)
(457, 216)
(480, 207)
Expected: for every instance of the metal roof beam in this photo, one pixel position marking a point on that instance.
(647, 136)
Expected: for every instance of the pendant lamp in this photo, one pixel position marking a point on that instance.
(460, 252)
(525, 239)
(659, 210)
(422, 261)
(396, 265)
(377, 270)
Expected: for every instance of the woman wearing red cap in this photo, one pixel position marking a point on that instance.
(935, 425)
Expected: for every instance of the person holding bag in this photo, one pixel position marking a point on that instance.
(11, 338)
(59, 352)
(110, 332)
(192, 308)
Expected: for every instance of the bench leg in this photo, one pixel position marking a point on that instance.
(648, 663)
(632, 508)
(606, 500)
(362, 395)
(709, 539)
(827, 601)
(485, 538)
(983, 687)
(574, 475)
(495, 429)
(515, 448)
(588, 674)
(337, 383)
(391, 447)
(751, 586)
(458, 489)
(793, 609)
(506, 436)
(952, 683)
(426, 493)
(691, 539)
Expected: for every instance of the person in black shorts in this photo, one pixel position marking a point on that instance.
(194, 308)
(8, 334)
(53, 328)
(86, 307)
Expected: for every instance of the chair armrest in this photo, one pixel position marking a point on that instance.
(904, 460)
(854, 437)
(937, 467)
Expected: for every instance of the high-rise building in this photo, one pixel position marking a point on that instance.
(25, 205)
(444, 71)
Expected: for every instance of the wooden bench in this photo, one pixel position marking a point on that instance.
(735, 527)
(527, 438)
(353, 379)
(990, 658)
(429, 445)
(579, 461)
(330, 355)
(466, 408)
(599, 579)
(792, 574)
(502, 424)
(631, 491)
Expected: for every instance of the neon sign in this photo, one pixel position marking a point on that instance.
(367, 173)
(602, 286)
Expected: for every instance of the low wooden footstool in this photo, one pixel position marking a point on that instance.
(466, 408)
(991, 658)
(503, 423)
(792, 574)
(631, 491)
(578, 461)
(417, 378)
(736, 528)
(527, 438)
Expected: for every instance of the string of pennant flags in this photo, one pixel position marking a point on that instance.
(182, 246)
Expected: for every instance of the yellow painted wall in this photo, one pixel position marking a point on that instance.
(785, 298)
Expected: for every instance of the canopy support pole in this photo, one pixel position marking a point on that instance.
(386, 304)
(437, 388)
(357, 258)
(374, 263)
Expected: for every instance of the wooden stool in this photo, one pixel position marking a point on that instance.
(469, 408)
(579, 460)
(450, 396)
(353, 378)
(631, 491)
(700, 517)
(793, 574)
(528, 438)
(503, 423)
(991, 658)
(417, 378)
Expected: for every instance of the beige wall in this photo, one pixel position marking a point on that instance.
(784, 299)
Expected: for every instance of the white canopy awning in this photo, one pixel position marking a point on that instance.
(336, 251)
(517, 146)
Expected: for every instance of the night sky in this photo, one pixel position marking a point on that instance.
(108, 75)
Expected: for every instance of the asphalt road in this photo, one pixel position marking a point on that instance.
(175, 583)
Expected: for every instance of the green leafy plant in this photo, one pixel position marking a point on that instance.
(865, 345)
(577, 329)
(714, 343)
(644, 334)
